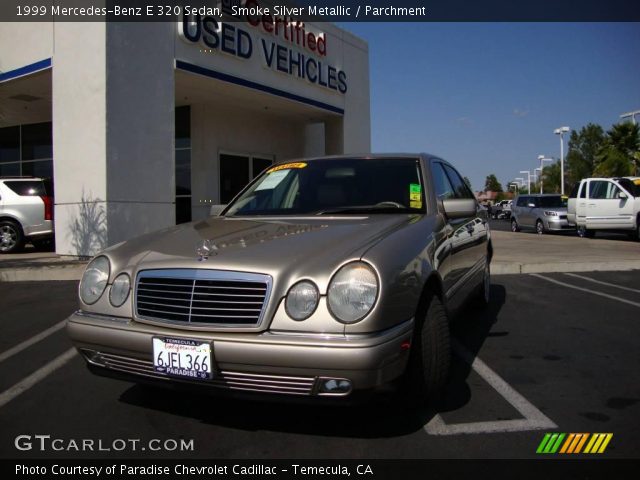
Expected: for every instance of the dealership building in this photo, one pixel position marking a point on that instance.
(145, 125)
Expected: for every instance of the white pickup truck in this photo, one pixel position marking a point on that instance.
(605, 204)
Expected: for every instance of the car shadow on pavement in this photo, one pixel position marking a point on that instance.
(470, 328)
(378, 416)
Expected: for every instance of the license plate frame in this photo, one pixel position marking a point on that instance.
(171, 358)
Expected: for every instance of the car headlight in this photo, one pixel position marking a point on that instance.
(551, 214)
(302, 300)
(94, 280)
(352, 292)
(120, 290)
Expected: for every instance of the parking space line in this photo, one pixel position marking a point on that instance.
(635, 290)
(35, 377)
(35, 339)
(588, 290)
(533, 419)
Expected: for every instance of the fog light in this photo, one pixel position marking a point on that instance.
(337, 386)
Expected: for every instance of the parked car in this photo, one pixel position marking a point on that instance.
(505, 209)
(611, 204)
(542, 213)
(322, 278)
(26, 212)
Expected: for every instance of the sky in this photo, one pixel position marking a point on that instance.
(488, 96)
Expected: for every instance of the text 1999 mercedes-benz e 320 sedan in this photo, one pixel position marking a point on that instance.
(323, 277)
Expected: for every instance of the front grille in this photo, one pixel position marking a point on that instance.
(563, 217)
(202, 297)
(254, 382)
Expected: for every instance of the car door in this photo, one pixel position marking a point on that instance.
(443, 261)
(524, 211)
(469, 235)
(581, 204)
(572, 204)
(605, 207)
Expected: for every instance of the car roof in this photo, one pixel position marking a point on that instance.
(363, 156)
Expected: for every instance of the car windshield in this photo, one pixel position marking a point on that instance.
(334, 186)
(551, 202)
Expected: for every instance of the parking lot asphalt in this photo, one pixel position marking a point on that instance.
(553, 353)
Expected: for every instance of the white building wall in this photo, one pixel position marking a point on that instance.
(113, 115)
(236, 131)
(79, 137)
(24, 43)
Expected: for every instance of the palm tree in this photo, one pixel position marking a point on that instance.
(619, 154)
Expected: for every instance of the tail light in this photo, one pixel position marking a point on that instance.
(48, 207)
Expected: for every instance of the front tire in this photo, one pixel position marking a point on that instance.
(514, 226)
(540, 227)
(583, 232)
(11, 237)
(430, 357)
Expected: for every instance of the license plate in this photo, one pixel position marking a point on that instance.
(182, 358)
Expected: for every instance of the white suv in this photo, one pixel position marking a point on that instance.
(26, 212)
(605, 204)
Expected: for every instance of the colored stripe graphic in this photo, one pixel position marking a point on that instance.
(573, 443)
(544, 441)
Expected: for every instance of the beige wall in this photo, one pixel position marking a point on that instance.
(235, 130)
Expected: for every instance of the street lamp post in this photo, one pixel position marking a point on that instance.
(521, 181)
(528, 180)
(632, 115)
(561, 131)
(542, 159)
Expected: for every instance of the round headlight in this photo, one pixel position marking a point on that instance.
(94, 280)
(119, 290)
(352, 292)
(302, 300)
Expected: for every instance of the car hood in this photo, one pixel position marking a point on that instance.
(282, 247)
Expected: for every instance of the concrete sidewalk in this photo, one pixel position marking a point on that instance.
(32, 265)
(532, 253)
(513, 253)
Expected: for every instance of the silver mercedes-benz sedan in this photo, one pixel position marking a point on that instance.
(322, 278)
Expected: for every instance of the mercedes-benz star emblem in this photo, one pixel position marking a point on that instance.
(206, 249)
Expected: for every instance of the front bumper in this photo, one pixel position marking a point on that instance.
(266, 362)
(556, 224)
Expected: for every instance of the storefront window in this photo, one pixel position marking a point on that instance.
(26, 150)
(183, 164)
(238, 170)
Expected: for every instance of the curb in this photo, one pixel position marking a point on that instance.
(42, 273)
(513, 268)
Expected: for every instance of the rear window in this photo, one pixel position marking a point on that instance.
(27, 188)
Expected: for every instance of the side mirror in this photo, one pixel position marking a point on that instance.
(216, 210)
(459, 207)
(622, 196)
(531, 205)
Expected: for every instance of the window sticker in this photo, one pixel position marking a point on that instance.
(415, 195)
(287, 166)
(272, 180)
